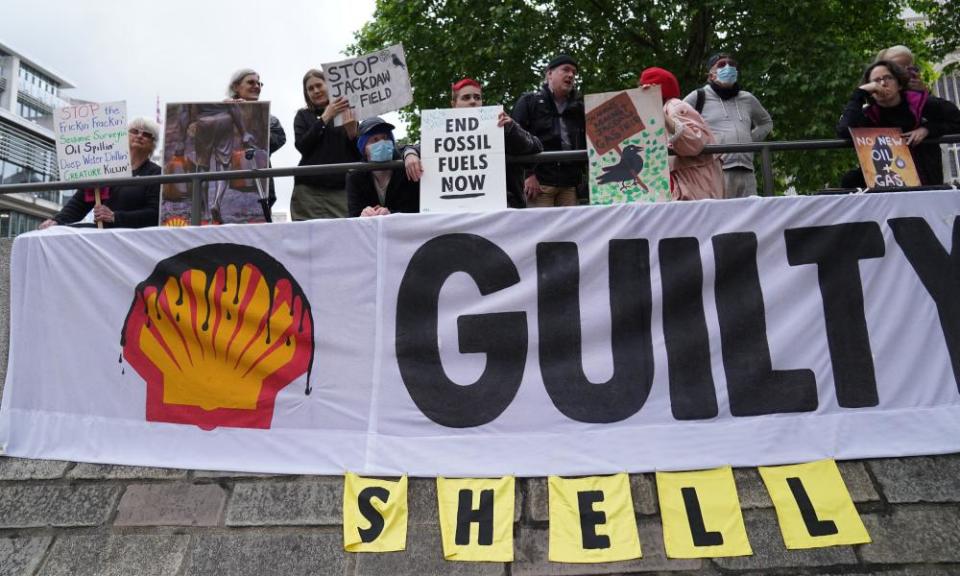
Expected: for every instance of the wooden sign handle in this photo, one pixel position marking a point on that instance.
(96, 203)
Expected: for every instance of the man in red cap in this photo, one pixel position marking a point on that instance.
(555, 115)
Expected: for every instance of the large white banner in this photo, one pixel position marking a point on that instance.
(552, 341)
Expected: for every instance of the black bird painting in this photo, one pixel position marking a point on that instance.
(397, 62)
(627, 170)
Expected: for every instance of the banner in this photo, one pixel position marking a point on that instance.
(627, 147)
(92, 141)
(374, 83)
(216, 137)
(464, 167)
(885, 159)
(577, 341)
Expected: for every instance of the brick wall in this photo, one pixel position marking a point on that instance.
(82, 519)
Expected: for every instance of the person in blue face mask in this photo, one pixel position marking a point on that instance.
(380, 192)
(736, 117)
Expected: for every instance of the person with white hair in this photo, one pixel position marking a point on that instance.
(903, 57)
(127, 206)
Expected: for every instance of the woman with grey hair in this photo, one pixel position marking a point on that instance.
(245, 86)
(128, 206)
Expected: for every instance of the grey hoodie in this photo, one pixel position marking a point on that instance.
(738, 120)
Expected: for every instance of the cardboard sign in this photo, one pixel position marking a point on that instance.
(214, 137)
(374, 83)
(627, 147)
(884, 157)
(92, 141)
(463, 161)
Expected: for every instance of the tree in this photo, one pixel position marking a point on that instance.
(801, 58)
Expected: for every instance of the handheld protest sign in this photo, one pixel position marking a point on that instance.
(885, 157)
(374, 83)
(464, 168)
(215, 137)
(627, 147)
(92, 141)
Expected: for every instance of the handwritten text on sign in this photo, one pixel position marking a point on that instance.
(92, 141)
(463, 159)
(374, 83)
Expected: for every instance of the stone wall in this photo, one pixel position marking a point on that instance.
(83, 519)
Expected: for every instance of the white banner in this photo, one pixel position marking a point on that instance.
(92, 141)
(374, 83)
(464, 167)
(577, 341)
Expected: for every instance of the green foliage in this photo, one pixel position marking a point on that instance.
(801, 58)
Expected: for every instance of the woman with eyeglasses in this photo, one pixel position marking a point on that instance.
(884, 101)
(321, 142)
(130, 206)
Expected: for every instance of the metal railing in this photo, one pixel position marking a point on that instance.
(197, 179)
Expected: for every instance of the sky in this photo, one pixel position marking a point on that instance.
(185, 50)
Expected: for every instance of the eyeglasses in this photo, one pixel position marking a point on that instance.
(144, 133)
(884, 79)
(724, 62)
(254, 83)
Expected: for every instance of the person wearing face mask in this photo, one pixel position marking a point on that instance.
(380, 192)
(466, 93)
(555, 115)
(884, 101)
(736, 117)
(320, 142)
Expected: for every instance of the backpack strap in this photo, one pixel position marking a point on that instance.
(701, 97)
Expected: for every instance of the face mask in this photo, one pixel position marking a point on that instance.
(727, 75)
(381, 151)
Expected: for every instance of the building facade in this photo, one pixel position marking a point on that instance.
(29, 93)
(948, 88)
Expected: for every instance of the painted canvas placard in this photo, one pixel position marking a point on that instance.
(627, 147)
(884, 157)
(216, 137)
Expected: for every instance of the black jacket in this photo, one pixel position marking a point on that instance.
(322, 144)
(536, 112)
(277, 139)
(938, 116)
(402, 194)
(134, 206)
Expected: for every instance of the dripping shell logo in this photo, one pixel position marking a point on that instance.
(216, 332)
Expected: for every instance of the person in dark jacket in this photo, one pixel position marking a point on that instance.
(466, 93)
(555, 115)
(380, 192)
(883, 101)
(320, 142)
(130, 206)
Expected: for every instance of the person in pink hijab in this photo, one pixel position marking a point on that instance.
(693, 176)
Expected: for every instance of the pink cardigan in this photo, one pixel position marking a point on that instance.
(692, 177)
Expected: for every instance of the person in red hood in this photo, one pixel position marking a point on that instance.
(693, 176)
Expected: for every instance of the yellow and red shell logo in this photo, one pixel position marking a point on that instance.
(216, 332)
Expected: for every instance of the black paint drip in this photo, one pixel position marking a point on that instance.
(209, 259)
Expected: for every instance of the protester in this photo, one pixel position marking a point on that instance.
(129, 206)
(736, 117)
(245, 86)
(380, 192)
(692, 176)
(320, 142)
(883, 101)
(555, 115)
(466, 93)
(903, 56)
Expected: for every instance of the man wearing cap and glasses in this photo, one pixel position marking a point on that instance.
(555, 115)
(736, 117)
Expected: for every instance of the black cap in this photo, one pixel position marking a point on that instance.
(713, 59)
(375, 124)
(560, 60)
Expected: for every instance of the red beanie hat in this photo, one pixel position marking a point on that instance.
(669, 87)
